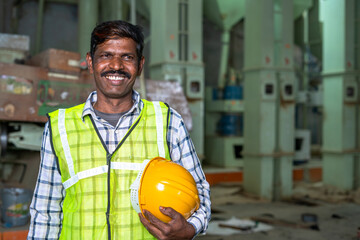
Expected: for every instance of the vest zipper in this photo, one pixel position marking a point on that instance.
(108, 161)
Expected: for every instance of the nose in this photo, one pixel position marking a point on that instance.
(116, 63)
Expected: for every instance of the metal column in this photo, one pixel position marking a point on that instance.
(340, 93)
(285, 123)
(39, 26)
(357, 64)
(114, 10)
(176, 54)
(88, 17)
(269, 98)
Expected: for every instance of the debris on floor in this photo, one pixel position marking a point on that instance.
(326, 193)
(306, 224)
(314, 211)
(231, 193)
(302, 200)
(236, 226)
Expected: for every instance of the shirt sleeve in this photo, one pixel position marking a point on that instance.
(46, 206)
(182, 151)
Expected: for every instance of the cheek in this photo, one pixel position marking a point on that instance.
(97, 68)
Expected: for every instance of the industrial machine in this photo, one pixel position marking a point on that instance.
(224, 104)
(224, 126)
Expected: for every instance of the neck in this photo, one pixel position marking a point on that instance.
(110, 105)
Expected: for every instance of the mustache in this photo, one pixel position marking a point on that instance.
(120, 72)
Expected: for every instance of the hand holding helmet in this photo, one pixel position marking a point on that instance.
(165, 195)
(163, 183)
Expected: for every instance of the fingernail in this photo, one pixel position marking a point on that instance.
(161, 208)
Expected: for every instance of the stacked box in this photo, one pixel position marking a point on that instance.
(28, 93)
(18, 92)
(14, 48)
(57, 61)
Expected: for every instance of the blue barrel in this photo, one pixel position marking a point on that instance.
(15, 206)
(233, 93)
(231, 125)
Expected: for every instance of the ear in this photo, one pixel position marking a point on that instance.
(89, 63)
(141, 65)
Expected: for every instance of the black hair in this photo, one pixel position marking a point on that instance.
(117, 29)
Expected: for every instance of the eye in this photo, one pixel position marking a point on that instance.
(128, 57)
(105, 55)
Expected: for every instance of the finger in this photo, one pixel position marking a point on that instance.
(143, 220)
(150, 227)
(169, 211)
(154, 220)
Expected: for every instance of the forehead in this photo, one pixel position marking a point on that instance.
(117, 45)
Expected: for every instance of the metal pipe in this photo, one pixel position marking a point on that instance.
(225, 39)
(306, 65)
(2, 15)
(39, 31)
(88, 17)
(116, 9)
(133, 12)
(14, 19)
(357, 112)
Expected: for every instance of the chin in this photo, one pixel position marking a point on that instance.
(117, 95)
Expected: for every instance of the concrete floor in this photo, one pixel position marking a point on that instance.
(336, 221)
(229, 200)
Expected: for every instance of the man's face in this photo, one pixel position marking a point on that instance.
(115, 67)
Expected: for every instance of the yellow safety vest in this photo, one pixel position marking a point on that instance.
(97, 202)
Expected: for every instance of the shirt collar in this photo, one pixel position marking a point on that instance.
(89, 110)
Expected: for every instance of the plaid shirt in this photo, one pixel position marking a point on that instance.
(46, 206)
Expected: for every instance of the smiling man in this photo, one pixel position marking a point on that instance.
(91, 153)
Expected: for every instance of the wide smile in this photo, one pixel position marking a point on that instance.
(115, 78)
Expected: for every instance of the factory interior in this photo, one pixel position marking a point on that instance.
(268, 89)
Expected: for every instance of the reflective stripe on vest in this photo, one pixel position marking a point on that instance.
(64, 141)
(159, 129)
(114, 165)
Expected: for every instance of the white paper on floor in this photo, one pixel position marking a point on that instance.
(216, 229)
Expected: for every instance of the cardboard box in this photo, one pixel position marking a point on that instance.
(18, 92)
(12, 55)
(57, 60)
(13, 48)
(27, 93)
(14, 41)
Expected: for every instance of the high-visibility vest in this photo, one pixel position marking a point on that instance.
(97, 202)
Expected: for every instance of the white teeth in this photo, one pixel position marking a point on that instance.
(115, 78)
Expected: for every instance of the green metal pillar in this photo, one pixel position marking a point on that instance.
(176, 54)
(285, 123)
(260, 99)
(357, 64)
(88, 17)
(114, 10)
(340, 93)
(39, 27)
(269, 98)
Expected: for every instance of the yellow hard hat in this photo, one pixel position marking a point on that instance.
(167, 184)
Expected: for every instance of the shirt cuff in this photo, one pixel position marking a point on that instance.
(197, 224)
